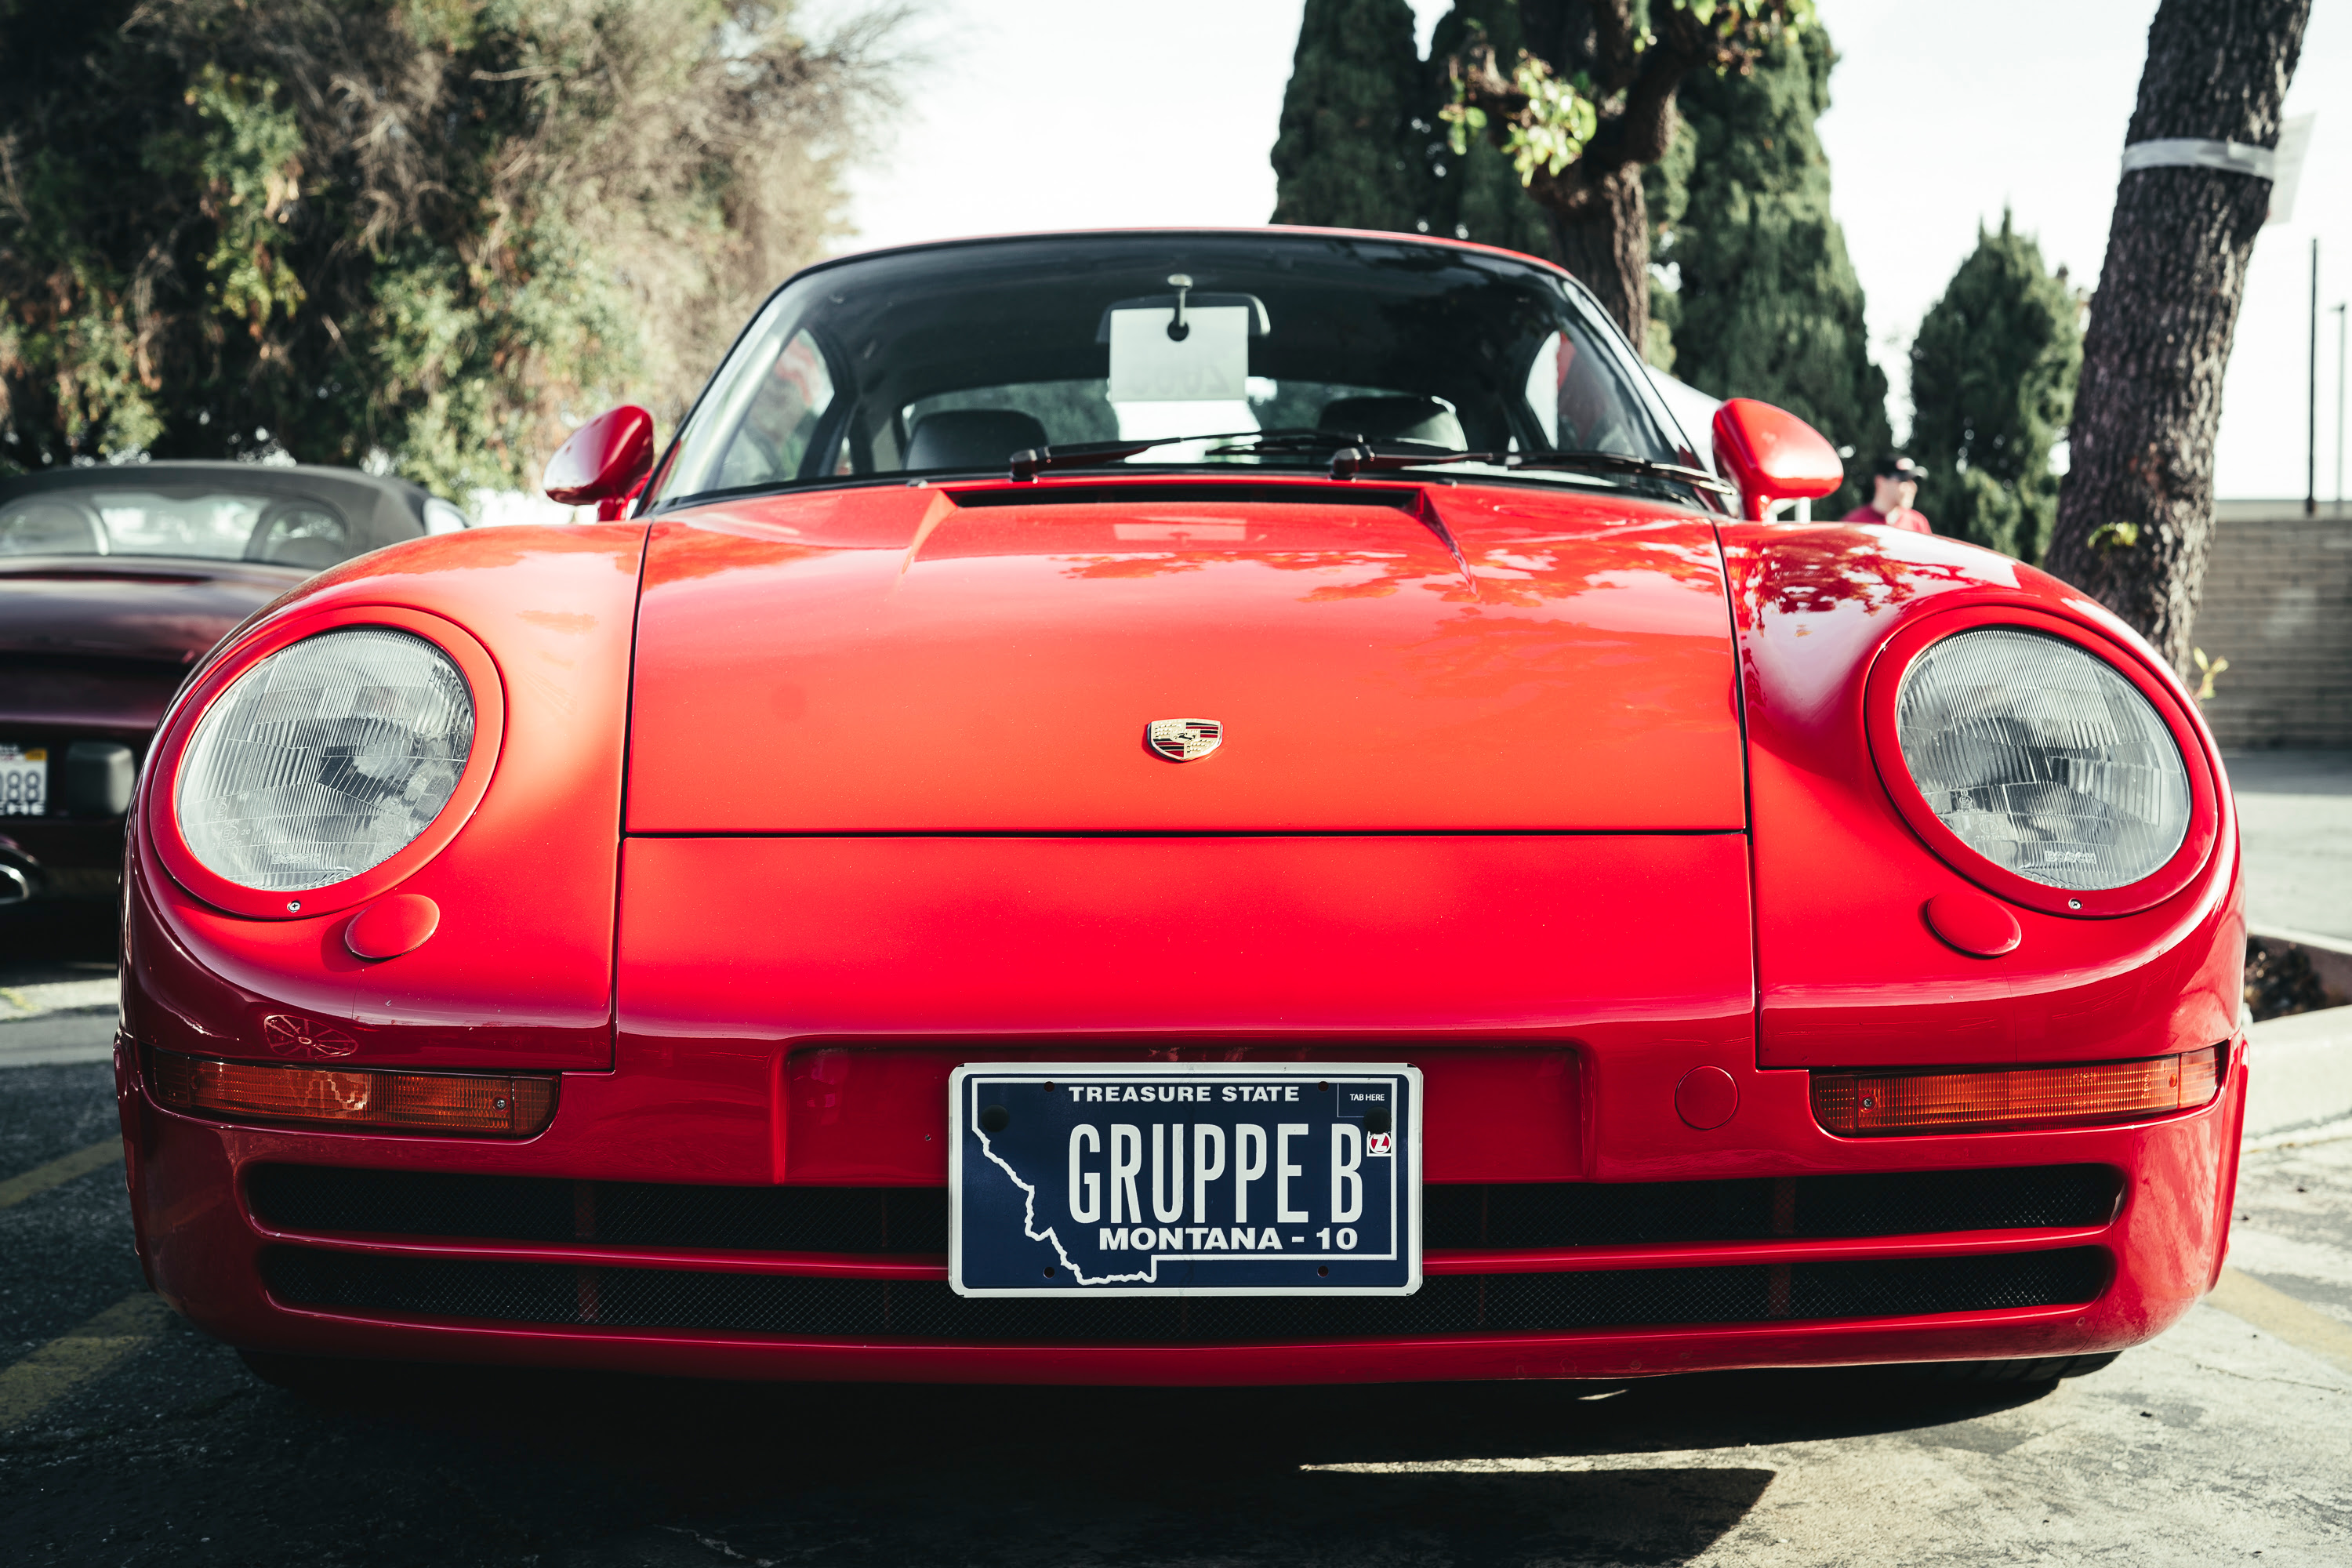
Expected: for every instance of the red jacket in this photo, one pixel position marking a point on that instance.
(1902, 517)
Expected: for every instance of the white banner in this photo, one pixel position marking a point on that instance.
(2282, 165)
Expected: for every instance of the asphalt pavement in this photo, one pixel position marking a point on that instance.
(2295, 820)
(127, 1438)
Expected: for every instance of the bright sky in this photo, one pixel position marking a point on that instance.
(1037, 114)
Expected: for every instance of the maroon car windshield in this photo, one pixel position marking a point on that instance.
(211, 525)
(1233, 350)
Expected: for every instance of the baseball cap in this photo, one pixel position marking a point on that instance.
(1900, 468)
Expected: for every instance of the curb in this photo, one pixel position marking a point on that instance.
(2301, 1071)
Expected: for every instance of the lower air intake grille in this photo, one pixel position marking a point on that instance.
(623, 1213)
(915, 1219)
(1459, 1304)
(1908, 1202)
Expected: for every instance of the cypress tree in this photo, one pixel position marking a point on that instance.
(1347, 156)
(1992, 383)
(1765, 302)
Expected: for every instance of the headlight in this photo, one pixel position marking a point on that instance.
(2042, 758)
(325, 759)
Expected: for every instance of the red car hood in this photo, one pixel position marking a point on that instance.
(988, 658)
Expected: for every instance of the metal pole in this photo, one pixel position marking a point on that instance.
(2339, 411)
(2311, 441)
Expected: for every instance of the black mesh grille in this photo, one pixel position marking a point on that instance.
(1459, 1304)
(1909, 1203)
(628, 1213)
(915, 1219)
(1915, 1202)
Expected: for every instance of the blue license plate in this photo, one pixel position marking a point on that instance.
(1184, 1179)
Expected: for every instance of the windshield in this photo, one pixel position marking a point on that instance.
(950, 359)
(280, 531)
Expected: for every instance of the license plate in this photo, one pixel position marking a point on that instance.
(24, 781)
(1184, 1179)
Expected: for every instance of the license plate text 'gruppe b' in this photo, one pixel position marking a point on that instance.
(1185, 1178)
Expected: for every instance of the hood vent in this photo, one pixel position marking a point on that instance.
(1221, 492)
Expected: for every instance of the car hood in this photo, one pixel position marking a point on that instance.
(165, 610)
(921, 659)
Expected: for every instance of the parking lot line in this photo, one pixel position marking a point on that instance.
(41, 1178)
(72, 1359)
(2306, 1328)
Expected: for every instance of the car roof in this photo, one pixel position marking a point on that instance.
(1279, 230)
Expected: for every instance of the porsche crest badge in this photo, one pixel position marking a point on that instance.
(1184, 740)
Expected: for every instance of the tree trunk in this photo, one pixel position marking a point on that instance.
(1608, 248)
(2141, 445)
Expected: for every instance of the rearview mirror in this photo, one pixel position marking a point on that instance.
(1772, 456)
(605, 461)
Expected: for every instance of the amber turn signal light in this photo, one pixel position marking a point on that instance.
(1862, 1105)
(499, 1107)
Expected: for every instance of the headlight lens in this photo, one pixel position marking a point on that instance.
(2042, 758)
(325, 759)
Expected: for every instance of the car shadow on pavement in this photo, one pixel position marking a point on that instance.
(55, 934)
(826, 1474)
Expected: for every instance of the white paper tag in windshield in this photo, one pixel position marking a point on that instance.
(1211, 363)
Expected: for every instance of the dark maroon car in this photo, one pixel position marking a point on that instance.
(113, 583)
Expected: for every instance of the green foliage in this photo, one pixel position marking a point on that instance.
(430, 233)
(1559, 119)
(1992, 386)
(1346, 156)
(1765, 302)
(1477, 193)
(1560, 114)
(1472, 189)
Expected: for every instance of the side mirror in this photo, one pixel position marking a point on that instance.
(605, 461)
(1771, 455)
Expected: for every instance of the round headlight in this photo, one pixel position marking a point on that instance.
(2042, 758)
(326, 758)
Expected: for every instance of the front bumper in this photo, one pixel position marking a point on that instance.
(63, 859)
(709, 1306)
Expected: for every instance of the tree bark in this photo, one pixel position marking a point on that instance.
(2149, 403)
(1607, 245)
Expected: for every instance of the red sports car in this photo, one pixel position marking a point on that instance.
(1184, 807)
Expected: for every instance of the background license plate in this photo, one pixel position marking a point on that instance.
(1165, 1179)
(24, 781)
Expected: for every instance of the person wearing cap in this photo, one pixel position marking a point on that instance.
(1894, 485)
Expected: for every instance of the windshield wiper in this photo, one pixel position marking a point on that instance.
(1350, 461)
(1352, 454)
(1029, 463)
